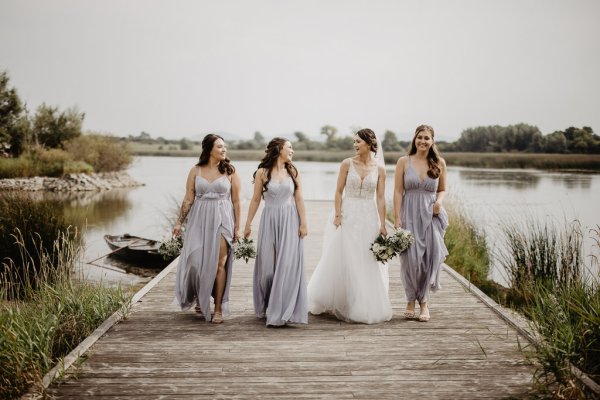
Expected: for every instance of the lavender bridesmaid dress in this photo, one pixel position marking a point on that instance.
(279, 283)
(420, 264)
(210, 218)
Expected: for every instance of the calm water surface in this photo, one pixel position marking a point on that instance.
(490, 197)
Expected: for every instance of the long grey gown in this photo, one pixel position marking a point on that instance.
(279, 283)
(420, 264)
(210, 218)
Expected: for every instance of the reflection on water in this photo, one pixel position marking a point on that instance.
(92, 208)
(523, 179)
(514, 179)
(574, 181)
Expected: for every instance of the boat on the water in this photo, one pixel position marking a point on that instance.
(136, 249)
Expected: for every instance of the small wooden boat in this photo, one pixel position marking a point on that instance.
(135, 248)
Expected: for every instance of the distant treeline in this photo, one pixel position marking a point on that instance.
(483, 139)
(525, 138)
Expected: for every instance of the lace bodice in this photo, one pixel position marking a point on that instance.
(362, 189)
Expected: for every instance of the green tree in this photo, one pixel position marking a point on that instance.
(185, 144)
(14, 125)
(301, 137)
(556, 142)
(390, 142)
(52, 128)
(330, 133)
(259, 140)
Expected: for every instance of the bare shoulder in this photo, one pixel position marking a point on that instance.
(261, 174)
(402, 161)
(194, 171)
(443, 162)
(381, 169)
(346, 163)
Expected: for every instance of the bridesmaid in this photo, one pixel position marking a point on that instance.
(212, 207)
(419, 191)
(279, 284)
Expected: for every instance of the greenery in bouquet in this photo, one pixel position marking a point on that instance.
(382, 249)
(169, 249)
(400, 241)
(245, 249)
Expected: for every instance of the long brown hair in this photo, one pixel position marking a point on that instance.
(208, 143)
(270, 159)
(433, 156)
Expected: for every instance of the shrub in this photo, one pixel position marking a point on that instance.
(16, 167)
(50, 162)
(103, 153)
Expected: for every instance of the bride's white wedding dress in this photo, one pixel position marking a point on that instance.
(348, 282)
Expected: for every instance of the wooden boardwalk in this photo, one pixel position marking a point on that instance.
(465, 351)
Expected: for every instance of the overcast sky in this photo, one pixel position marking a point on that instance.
(186, 68)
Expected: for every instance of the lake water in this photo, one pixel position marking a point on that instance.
(489, 196)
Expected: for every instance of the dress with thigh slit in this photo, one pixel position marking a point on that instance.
(279, 283)
(210, 219)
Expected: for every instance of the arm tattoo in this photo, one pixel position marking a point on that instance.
(185, 209)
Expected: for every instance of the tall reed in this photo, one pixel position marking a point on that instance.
(548, 284)
(540, 253)
(51, 316)
(29, 230)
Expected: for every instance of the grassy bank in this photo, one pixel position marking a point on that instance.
(547, 284)
(580, 162)
(43, 313)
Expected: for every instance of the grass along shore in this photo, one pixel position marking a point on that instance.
(44, 313)
(577, 162)
(545, 268)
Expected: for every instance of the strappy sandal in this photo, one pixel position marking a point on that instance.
(408, 313)
(424, 317)
(217, 318)
(199, 310)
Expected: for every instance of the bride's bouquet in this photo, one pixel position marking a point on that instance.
(385, 248)
(382, 249)
(171, 248)
(245, 249)
(400, 241)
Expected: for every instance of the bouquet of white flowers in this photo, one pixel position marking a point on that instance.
(382, 249)
(245, 249)
(400, 241)
(171, 248)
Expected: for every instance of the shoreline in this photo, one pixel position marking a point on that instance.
(71, 182)
(585, 163)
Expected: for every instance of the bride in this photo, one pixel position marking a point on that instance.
(348, 282)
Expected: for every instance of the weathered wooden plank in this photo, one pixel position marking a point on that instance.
(465, 351)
